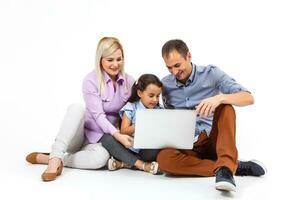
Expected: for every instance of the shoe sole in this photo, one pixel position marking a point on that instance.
(225, 186)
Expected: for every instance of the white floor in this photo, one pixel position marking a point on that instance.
(23, 180)
(126, 184)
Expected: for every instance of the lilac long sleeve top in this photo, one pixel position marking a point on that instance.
(102, 111)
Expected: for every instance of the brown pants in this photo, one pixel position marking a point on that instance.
(208, 153)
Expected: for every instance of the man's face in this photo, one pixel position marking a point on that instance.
(178, 65)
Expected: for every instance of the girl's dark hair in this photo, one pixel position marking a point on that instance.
(142, 83)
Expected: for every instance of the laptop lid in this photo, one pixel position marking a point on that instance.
(162, 128)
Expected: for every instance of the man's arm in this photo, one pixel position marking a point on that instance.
(231, 92)
(208, 106)
(237, 99)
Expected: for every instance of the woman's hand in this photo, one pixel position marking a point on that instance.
(126, 140)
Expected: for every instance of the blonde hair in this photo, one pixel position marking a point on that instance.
(107, 46)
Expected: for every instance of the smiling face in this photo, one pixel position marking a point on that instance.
(178, 65)
(113, 63)
(150, 96)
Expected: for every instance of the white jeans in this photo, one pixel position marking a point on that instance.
(70, 145)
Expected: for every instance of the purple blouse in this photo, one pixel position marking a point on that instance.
(102, 111)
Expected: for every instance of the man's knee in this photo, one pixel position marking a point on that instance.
(165, 158)
(226, 108)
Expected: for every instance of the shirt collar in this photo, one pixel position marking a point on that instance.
(190, 79)
(141, 105)
(107, 78)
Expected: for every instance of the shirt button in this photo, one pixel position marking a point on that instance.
(187, 98)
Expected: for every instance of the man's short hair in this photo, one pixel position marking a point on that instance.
(177, 45)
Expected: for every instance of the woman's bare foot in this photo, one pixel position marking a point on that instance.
(42, 158)
(53, 164)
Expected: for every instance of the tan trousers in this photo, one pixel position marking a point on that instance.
(208, 153)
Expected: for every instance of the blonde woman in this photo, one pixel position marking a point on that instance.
(105, 91)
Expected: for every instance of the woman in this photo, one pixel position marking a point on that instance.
(105, 91)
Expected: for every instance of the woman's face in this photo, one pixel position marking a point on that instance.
(112, 63)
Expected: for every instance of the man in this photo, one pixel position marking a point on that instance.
(212, 93)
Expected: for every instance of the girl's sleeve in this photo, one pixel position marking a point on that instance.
(128, 109)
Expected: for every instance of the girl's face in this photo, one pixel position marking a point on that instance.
(112, 64)
(150, 96)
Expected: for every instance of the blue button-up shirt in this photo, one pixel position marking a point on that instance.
(204, 82)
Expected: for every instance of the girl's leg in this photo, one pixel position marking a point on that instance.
(148, 155)
(118, 151)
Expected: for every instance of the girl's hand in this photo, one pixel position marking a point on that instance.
(126, 140)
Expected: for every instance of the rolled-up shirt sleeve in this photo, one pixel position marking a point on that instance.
(94, 106)
(224, 82)
(129, 111)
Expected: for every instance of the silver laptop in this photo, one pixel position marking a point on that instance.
(162, 128)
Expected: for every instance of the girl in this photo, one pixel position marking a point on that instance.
(145, 95)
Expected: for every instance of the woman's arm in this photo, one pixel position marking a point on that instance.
(127, 127)
(126, 140)
(94, 104)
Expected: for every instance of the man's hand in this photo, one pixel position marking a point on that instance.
(126, 140)
(207, 106)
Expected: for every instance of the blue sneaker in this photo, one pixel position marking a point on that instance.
(224, 180)
(250, 168)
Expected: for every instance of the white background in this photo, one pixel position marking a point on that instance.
(47, 47)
